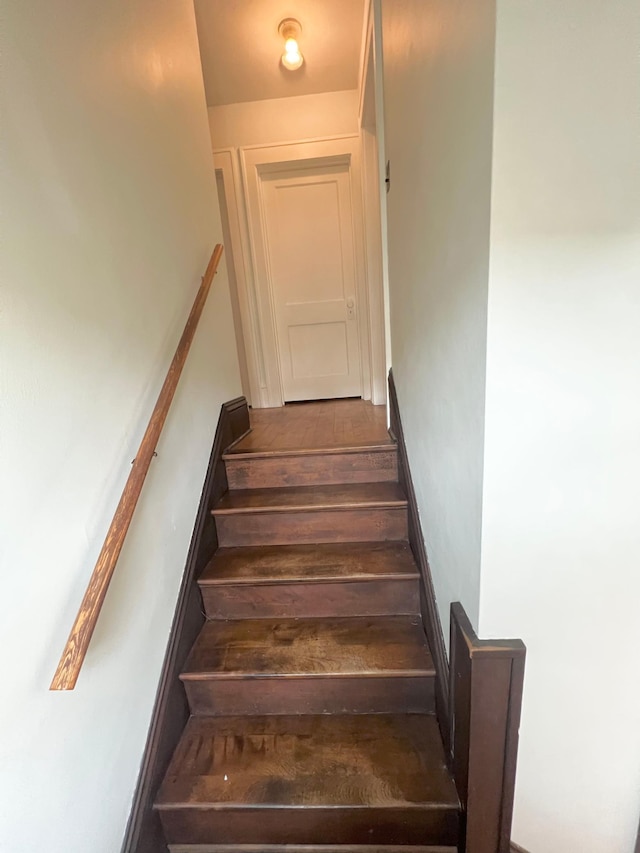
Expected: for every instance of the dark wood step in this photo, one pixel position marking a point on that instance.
(306, 848)
(379, 779)
(349, 579)
(273, 469)
(310, 666)
(357, 512)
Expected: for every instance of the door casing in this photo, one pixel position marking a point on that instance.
(257, 161)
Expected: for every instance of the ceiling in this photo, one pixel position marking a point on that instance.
(240, 48)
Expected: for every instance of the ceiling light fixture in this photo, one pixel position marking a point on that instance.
(290, 30)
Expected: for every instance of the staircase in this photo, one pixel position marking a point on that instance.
(311, 684)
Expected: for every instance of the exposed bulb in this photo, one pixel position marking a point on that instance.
(292, 59)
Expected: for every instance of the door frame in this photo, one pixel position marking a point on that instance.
(226, 162)
(260, 160)
(371, 123)
(229, 218)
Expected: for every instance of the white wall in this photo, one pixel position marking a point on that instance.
(109, 215)
(438, 81)
(561, 537)
(560, 534)
(284, 119)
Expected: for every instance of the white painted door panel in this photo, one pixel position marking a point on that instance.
(311, 260)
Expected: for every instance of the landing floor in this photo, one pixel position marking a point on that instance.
(310, 426)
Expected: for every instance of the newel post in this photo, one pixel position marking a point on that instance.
(486, 680)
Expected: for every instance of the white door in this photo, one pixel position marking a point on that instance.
(310, 251)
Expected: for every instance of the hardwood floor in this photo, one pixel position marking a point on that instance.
(316, 426)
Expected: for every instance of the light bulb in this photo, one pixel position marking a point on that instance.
(292, 58)
(290, 30)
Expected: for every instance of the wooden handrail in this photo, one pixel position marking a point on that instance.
(76, 648)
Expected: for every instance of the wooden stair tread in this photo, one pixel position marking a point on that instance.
(307, 848)
(242, 452)
(324, 562)
(379, 761)
(317, 647)
(304, 498)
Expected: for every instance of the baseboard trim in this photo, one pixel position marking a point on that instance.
(430, 614)
(170, 711)
(515, 848)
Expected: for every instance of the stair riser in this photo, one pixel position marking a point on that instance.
(424, 826)
(341, 695)
(314, 848)
(299, 599)
(311, 526)
(312, 469)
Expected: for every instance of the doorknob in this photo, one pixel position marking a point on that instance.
(351, 308)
